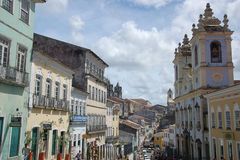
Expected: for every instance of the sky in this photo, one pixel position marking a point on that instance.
(136, 38)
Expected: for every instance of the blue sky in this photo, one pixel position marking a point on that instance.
(135, 37)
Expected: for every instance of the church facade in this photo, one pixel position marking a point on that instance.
(202, 65)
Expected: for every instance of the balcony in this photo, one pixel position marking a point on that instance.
(40, 101)
(12, 76)
(96, 75)
(78, 120)
(112, 139)
(96, 128)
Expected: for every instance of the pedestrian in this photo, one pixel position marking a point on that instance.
(78, 156)
(26, 152)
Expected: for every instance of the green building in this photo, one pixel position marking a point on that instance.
(16, 40)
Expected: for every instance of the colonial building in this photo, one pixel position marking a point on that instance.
(16, 38)
(48, 118)
(89, 77)
(224, 123)
(112, 133)
(78, 121)
(202, 65)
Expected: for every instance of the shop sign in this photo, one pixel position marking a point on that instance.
(16, 121)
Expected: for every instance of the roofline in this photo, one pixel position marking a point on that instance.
(75, 46)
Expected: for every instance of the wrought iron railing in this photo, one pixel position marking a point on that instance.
(51, 103)
(12, 75)
(96, 128)
(96, 75)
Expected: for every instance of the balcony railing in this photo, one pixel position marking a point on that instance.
(96, 75)
(96, 128)
(40, 101)
(13, 76)
(78, 120)
(112, 139)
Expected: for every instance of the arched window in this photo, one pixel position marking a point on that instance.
(216, 54)
(176, 72)
(196, 55)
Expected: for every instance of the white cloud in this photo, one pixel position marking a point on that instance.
(76, 22)
(142, 59)
(151, 3)
(56, 6)
(139, 59)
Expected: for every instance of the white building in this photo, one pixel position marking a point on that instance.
(78, 121)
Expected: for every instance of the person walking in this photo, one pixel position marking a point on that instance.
(26, 151)
(78, 156)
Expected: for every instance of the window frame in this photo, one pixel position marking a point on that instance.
(219, 45)
(40, 85)
(228, 121)
(27, 12)
(65, 92)
(12, 7)
(57, 91)
(21, 62)
(48, 83)
(5, 44)
(220, 127)
(237, 121)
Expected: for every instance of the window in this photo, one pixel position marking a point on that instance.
(38, 84)
(21, 56)
(221, 148)
(176, 72)
(72, 106)
(76, 108)
(57, 90)
(84, 108)
(99, 95)
(96, 94)
(228, 120)
(216, 55)
(25, 11)
(4, 49)
(64, 92)
(79, 139)
(15, 140)
(54, 142)
(89, 91)
(196, 55)
(238, 150)
(80, 108)
(8, 5)
(1, 130)
(74, 140)
(229, 146)
(93, 90)
(213, 120)
(102, 96)
(237, 120)
(219, 119)
(214, 149)
(48, 87)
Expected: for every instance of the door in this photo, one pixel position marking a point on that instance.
(34, 143)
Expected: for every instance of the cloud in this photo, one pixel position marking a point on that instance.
(56, 6)
(151, 3)
(140, 59)
(77, 24)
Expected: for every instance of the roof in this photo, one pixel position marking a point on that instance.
(131, 124)
(116, 99)
(57, 49)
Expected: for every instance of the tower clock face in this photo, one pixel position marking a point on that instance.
(217, 77)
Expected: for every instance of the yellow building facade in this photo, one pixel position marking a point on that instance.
(158, 140)
(224, 119)
(48, 120)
